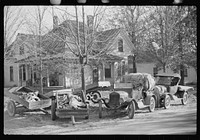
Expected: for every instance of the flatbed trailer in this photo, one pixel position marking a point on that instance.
(16, 102)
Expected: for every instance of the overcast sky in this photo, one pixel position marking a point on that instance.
(29, 12)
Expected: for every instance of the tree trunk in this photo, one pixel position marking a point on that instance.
(181, 53)
(64, 80)
(182, 74)
(164, 69)
(134, 64)
(82, 79)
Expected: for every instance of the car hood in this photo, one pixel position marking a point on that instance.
(123, 94)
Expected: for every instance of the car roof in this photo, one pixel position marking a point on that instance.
(169, 75)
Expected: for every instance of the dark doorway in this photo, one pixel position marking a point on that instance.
(95, 75)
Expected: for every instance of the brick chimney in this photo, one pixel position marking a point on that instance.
(55, 21)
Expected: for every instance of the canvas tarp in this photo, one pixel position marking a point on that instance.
(144, 80)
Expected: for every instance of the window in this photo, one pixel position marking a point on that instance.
(155, 71)
(21, 50)
(24, 72)
(175, 70)
(11, 74)
(35, 77)
(108, 71)
(20, 73)
(185, 73)
(120, 45)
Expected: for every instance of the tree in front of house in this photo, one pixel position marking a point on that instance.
(133, 19)
(186, 40)
(13, 21)
(79, 38)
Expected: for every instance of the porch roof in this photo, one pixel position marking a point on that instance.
(70, 58)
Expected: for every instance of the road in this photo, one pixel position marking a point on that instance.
(168, 122)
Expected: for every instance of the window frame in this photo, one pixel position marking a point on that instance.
(120, 45)
(21, 50)
(108, 73)
(12, 76)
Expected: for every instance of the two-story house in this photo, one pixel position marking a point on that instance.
(100, 68)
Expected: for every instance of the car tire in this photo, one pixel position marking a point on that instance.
(152, 104)
(100, 108)
(167, 101)
(96, 96)
(53, 110)
(184, 98)
(131, 110)
(11, 108)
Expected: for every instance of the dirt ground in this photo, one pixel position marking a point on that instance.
(178, 119)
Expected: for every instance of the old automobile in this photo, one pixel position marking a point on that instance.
(167, 88)
(133, 92)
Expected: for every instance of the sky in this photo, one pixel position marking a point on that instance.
(29, 12)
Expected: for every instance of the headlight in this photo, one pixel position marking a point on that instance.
(106, 100)
(121, 100)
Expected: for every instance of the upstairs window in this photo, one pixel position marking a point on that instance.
(120, 45)
(21, 50)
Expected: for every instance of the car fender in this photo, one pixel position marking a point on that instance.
(167, 93)
(148, 97)
(184, 88)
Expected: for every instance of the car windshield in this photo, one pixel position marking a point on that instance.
(163, 80)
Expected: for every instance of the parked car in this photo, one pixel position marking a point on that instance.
(132, 93)
(167, 88)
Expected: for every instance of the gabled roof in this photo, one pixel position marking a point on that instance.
(53, 42)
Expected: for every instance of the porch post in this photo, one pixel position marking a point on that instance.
(32, 72)
(103, 71)
(48, 78)
(112, 72)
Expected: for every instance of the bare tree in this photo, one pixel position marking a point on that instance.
(13, 21)
(81, 38)
(36, 27)
(133, 19)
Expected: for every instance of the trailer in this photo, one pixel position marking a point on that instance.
(16, 102)
(92, 91)
(64, 106)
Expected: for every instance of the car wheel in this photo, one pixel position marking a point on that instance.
(88, 96)
(131, 110)
(53, 110)
(167, 101)
(152, 104)
(100, 109)
(96, 96)
(11, 108)
(184, 99)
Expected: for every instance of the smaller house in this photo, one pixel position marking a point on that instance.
(190, 75)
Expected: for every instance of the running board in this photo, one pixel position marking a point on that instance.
(141, 105)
